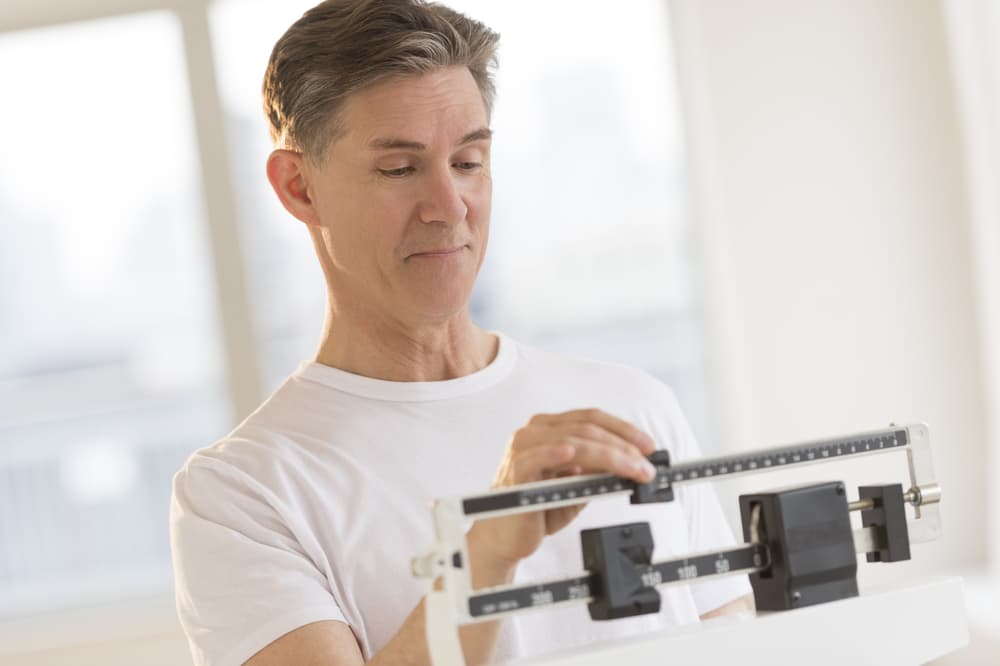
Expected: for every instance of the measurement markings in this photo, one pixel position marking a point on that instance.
(596, 485)
(743, 559)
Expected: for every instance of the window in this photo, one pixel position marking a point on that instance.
(284, 279)
(109, 359)
(590, 241)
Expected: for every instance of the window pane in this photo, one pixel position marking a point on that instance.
(110, 368)
(286, 284)
(591, 250)
(590, 247)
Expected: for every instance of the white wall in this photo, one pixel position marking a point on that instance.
(840, 281)
(830, 176)
(974, 25)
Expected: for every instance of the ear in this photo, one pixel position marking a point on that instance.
(288, 174)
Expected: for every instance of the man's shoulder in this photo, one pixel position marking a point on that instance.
(238, 461)
(265, 438)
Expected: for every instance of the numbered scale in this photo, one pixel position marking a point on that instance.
(800, 539)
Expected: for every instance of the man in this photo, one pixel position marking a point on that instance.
(292, 536)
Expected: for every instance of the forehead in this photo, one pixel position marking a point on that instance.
(420, 107)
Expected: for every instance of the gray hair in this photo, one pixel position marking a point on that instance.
(342, 46)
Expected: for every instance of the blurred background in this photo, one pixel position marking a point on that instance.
(787, 210)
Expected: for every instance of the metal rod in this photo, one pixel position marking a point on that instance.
(917, 496)
(861, 505)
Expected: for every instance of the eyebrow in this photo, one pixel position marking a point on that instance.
(394, 143)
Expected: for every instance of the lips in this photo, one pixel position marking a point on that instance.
(438, 252)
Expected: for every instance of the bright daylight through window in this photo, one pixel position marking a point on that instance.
(109, 357)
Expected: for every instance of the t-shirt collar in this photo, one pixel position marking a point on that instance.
(381, 389)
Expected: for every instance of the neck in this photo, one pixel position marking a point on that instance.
(395, 351)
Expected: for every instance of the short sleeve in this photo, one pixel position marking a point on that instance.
(708, 528)
(242, 579)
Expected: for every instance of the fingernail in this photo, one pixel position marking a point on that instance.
(645, 467)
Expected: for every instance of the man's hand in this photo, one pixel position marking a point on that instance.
(579, 442)
(551, 445)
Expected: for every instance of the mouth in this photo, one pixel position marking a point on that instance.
(439, 252)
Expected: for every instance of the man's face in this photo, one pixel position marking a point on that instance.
(404, 197)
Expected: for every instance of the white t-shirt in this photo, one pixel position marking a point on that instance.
(313, 507)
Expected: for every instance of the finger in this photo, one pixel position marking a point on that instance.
(563, 471)
(538, 463)
(631, 456)
(595, 433)
(592, 455)
(627, 431)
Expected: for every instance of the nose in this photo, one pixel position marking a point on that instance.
(442, 200)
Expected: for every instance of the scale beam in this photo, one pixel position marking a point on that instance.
(801, 551)
(491, 603)
(580, 489)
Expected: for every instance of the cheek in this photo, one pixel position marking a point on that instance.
(362, 220)
(479, 219)
(386, 223)
(480, 203)
(390, 208)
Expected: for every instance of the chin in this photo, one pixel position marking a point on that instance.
(441, 304)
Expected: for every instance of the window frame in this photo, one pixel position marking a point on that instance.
(242, 367)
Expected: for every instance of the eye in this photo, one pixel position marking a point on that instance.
(398, 172)
(467, 166)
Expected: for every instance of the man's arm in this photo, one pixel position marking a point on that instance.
(331, 643)
(576, 442)
(734, 607)
(328, 642)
